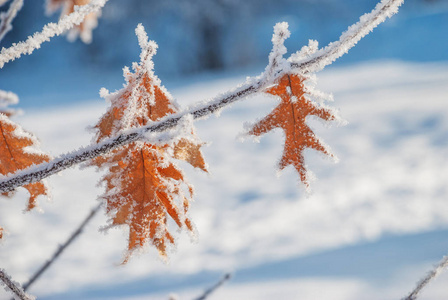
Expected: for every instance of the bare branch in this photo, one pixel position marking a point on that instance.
(61, 248)
(49, 31)
(427, 279)
(312, 63)
(14, 287)
(217, 285)
(276, 60)
(6, 18)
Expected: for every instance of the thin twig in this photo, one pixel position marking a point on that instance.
(7, 18)
(427, 279)
(216, 286)
(313, 63)
(14, 287)
(61, 248)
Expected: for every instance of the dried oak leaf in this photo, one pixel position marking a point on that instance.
(290, 115)
(142, 189)
(143, 183)
(17, 152)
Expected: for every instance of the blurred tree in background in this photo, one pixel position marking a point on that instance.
(198, 35)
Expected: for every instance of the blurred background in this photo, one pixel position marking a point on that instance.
(197, 36)
(374, 223)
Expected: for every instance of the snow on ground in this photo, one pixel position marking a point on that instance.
(373, 225)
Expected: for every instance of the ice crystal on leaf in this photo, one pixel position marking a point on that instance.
(18, 150)
(143, 184)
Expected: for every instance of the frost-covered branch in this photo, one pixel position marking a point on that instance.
(14, 287)
(276, 60)
(308, 63)
(39, 172)
(7, 17)
(49, 31)
(427, 279)
(324, 57)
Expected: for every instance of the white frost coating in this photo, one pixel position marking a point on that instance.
(312, 93)
(85, 30)
(89, 23)
(104, 93)
(34, 148)
(183, 131)
(348, 39)
(318, 99)
(136, 100)
(140, 96)
(14, 287)
(305, 53)
(7, 17)
(276, 61)
(149, 49)
(49, 31)
(20, 133)
(2, 2)
(8, 98)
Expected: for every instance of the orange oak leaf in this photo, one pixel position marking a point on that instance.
(84, 30)
(290, 115)
(143, 184)
(141, 192)
(18, 151)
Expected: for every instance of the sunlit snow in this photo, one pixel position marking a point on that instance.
(374, 224)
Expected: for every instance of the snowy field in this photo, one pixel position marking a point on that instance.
(372, 226)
